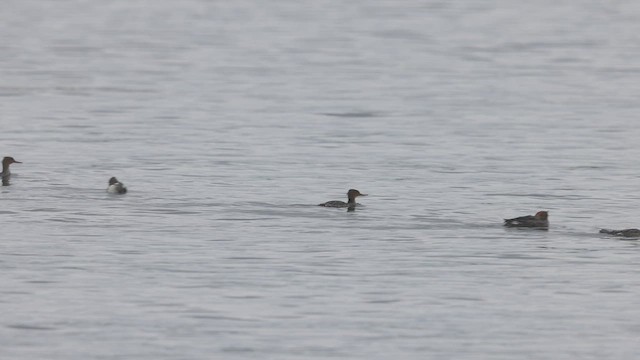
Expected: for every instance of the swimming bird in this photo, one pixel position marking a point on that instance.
(539, 220)
(352, 194)
(6, 173)
(116, 187)
(624, 233)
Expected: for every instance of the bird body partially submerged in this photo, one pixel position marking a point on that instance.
(539, 220)
(624, 233)
(6, 173)
(352, 194)
(116, 187)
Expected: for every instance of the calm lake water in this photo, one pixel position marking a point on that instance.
(229, 122)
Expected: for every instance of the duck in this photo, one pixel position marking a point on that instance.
(625, 233)
(116, 187)
(6, 173)
(539, 220)
(352, 194)
(6, 161)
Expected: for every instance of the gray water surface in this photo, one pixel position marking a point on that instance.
(230, 121)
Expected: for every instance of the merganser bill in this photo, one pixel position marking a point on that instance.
(116, 187)
(625, 232)
(352, 194)
(6, 173)
(539, 220)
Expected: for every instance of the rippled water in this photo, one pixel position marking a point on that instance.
(230, 121)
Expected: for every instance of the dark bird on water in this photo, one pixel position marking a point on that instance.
(352, 194)
(625, 233)
(539, 220)
(116, 187)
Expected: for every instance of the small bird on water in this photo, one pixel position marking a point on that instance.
(625, 233)
(6, 173)
(116, 187)
(539, 221)
(352, 194)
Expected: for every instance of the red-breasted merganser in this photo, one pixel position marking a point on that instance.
(352, 194)
(539, 220)
(6, 173)
(116, 187)
(625, 232)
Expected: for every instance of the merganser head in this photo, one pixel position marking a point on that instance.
(353, 193)
(542, 215)
(113, 180)
(8, 160)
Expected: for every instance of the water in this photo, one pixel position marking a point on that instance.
(229, 121)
